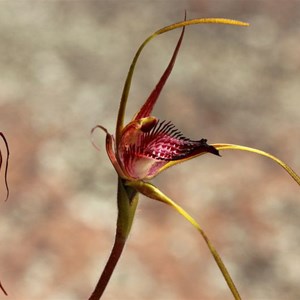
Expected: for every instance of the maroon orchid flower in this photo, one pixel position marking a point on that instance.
(147, 146)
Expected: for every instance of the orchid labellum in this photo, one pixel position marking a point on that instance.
(145, 147)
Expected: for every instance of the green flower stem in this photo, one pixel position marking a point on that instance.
(109, 268)
(153, 192)
(127, 203)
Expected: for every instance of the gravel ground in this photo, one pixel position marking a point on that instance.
(63, 65)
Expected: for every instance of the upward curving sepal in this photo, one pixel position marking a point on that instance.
(149, 104)
(126, 88)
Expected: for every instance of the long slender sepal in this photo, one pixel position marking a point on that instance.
(6, 183)
(3, 290)
(6, 164)
(126, 89)
(151, 191)
(201, 21)
(147, 108)
(127, 203)
(286, 167)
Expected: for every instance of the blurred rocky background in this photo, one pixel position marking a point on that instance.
(62, 69)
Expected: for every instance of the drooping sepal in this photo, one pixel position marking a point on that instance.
(6, 165)
(285, 166)
(151, 191)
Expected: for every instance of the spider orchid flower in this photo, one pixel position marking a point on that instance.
(5, 179)
(147, 146)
